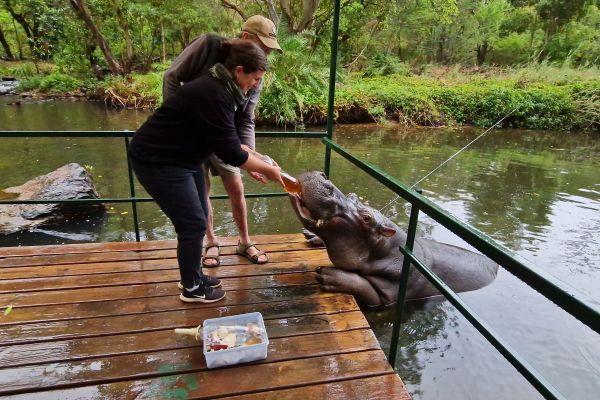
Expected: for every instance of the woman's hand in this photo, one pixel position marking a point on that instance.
(258, 176)
(273, 173)
(255, 165)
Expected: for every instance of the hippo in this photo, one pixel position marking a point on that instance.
(363, 246)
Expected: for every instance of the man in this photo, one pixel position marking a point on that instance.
(194, 61)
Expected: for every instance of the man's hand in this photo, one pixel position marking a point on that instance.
(258, 176)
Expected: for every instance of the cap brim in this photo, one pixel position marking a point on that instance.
(270, 42)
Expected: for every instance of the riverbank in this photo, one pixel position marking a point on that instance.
(540, 97)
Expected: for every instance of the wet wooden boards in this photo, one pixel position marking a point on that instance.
(95, 321)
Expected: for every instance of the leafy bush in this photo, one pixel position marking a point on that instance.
(510, 50)
(481, 102)
(59, 83)
(384, 65)
(586, 98)
(23, 70)
(132, 91)
(29, 84)
(296, 84)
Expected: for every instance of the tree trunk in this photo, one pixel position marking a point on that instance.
(287, 13)
(272, 12)
(82, 11)
(309, 7)
(18, 40)
(129, 57)
(186, 34)
(163, 55)
(440, 52)
(482, 51)
(235, 8)
(21, 20)
(89, 52)
(5, 45)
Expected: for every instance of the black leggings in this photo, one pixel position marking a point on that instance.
(181, 195)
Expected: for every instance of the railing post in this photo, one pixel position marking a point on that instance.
(132, 192)
(406, 264)
(332, 73)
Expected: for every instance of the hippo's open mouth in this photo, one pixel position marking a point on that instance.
(306, 217)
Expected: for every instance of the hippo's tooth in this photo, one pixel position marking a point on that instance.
(319, 223)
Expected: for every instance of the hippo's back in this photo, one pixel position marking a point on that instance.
(461, 269)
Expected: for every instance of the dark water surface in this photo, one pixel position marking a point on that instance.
(538, 193)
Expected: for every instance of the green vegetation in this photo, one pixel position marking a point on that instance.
(419, 62)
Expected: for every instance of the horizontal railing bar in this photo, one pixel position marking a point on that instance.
(567, 298)
(512, 356)
(129, 199)
(125, 133)
(309, 135)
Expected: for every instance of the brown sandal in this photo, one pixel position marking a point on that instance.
(207, 257)
(242, 250)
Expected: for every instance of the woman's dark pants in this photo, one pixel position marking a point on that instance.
(180, 194)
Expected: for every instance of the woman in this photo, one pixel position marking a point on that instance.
(168, 149)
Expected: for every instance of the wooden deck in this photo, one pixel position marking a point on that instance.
(96, 321)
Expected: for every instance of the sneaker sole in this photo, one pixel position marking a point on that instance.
(180, 286)
(198, 299)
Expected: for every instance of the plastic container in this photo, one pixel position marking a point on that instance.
(234, 355)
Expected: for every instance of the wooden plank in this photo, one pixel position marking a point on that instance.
(84, 248)
(58, 330)
(142, 342)
(383, 387)
(77, 310)
(129, 291)
(248, 379)
(96, 321)
(280, 260)
(12, 262)
(134, 278)
(183, 360)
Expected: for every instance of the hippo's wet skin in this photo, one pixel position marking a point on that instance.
(363, 246)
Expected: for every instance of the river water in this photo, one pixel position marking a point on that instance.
(538, 193)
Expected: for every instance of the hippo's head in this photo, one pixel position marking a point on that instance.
(342, 222)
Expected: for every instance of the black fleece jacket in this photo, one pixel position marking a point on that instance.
(194, 123)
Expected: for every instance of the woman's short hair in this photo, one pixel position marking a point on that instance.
(242, 52)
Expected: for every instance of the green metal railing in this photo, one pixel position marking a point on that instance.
(575, 303)
(556, 291)
(126, 135)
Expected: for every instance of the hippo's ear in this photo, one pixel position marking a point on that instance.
(387, 231)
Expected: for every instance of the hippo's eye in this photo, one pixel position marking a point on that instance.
(367, 216)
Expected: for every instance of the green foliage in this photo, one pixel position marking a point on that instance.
(132, 91)
(29, 84)
(58, 83)
(383, 65)
(297, 80)
(586, 98)
(511, 50)
(478, 101)
(54, 83)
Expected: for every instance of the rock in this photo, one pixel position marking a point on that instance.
(70, 181)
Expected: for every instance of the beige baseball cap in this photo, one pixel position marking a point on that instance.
(264, 28)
